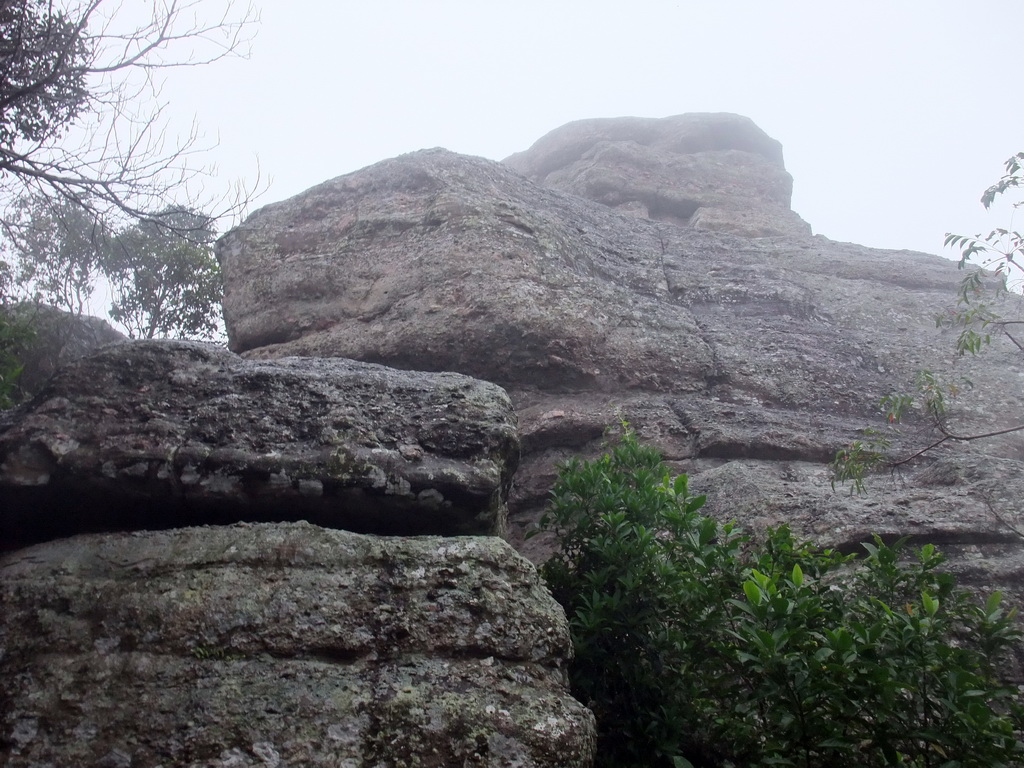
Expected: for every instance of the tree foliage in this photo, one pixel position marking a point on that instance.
(165, 284)
(88, 172)
(43, 73)
(161, 273)
(57, 257)
(697, 646)
(995, 264)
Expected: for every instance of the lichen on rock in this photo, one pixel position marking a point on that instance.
(160, 434)
(247, 643)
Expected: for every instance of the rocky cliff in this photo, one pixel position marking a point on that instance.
(278, 642)
(748, 359)
(282, 645)
(619, 269)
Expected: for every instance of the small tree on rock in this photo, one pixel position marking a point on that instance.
(994, 266)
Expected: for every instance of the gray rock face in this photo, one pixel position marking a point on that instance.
(162, 434)
(748, 361)
(708, 171)
(59, 338)
(282, 645)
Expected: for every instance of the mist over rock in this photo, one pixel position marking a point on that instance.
(57, 338)
(713, 171)
(748, 360)
(283, 644)
(162, 434)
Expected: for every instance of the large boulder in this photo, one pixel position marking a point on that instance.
(712, 171)
(749, 361)
(162, 434)
(282, 645)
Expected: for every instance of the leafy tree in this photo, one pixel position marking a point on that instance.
(1001, 251)
(83, 151)
(43, 80)
(697, 646)
(994, 265)
(161, 272)
(165, 284)
(58, 254)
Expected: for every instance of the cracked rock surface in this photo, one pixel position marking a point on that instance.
(162, 434)
(748, 360)
(282, 644)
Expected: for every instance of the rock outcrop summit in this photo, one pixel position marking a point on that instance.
(174, 589)
(749, 359)
(708, 171)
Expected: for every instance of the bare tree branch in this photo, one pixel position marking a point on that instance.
(62, 62)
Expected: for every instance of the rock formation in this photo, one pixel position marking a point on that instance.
(628, 269)
(709, 171)
(282, 645)
(58, 337)
(748, 360)
(168, 434)
(272, 643)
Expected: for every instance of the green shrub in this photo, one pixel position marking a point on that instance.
(696, 647)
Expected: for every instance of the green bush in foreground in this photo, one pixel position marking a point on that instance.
(695, 647)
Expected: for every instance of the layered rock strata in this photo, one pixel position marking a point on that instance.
(749, 360)
(152, 435)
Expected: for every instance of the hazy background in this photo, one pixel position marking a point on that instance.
(894, 116)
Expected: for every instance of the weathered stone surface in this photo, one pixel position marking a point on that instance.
(161, 434)
(728, 352)
(487, 272)
(282, 644)
(712, 171)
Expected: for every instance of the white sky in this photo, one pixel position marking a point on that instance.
(894, 116)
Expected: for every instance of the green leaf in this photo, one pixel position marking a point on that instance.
(798, 575)
(753, 592)
(993, 602)
(820, 657)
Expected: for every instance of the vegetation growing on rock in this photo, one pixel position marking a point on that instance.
(985, 310)
(696, 645)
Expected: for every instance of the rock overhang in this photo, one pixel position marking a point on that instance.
(167, 434)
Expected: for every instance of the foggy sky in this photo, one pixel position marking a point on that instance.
(894, 117)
